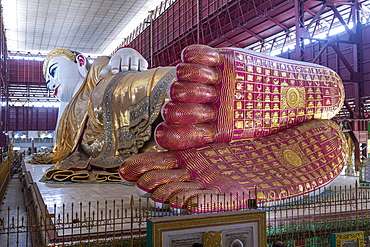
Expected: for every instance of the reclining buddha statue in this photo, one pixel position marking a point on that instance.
(227, 121)
(104, 116)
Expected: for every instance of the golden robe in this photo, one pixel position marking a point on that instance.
(110, 119)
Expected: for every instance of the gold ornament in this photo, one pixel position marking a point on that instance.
(292, 158)
(293, 97)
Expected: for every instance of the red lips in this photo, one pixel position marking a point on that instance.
(56, 90)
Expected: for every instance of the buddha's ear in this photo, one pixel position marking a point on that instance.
(81, 64)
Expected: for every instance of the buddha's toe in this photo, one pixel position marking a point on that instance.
(195, 200)
(162, 195)
(135, 166)
(151, 180)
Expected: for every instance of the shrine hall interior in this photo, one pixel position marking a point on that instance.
(331, 33)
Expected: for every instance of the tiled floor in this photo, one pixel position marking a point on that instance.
(68, 193)
(13, 216)
(342, 180)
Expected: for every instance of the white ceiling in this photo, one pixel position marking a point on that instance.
(93, 27)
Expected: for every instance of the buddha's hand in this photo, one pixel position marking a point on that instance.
(125, 59)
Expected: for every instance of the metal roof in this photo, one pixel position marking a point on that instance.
(88, 26)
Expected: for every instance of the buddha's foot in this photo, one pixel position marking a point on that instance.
(223, 95)
(240, 122)
(293, 162)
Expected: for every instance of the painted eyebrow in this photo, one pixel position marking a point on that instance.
(51, 66)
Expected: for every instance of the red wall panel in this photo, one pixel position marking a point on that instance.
(26, 71)
(32, 118)
(3, 90)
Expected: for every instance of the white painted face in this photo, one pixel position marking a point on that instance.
(62, 78)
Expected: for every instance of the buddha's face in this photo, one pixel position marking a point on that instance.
(62, 77)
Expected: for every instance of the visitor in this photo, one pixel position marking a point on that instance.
(278, 244)
(237, 243)
(197, 245)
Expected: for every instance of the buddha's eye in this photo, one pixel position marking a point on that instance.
(52, 71)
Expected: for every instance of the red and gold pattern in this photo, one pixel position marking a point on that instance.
(257, 96)
(287, 164)
(259, 124)
(283, 165)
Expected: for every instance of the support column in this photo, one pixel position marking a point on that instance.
(299, 29)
